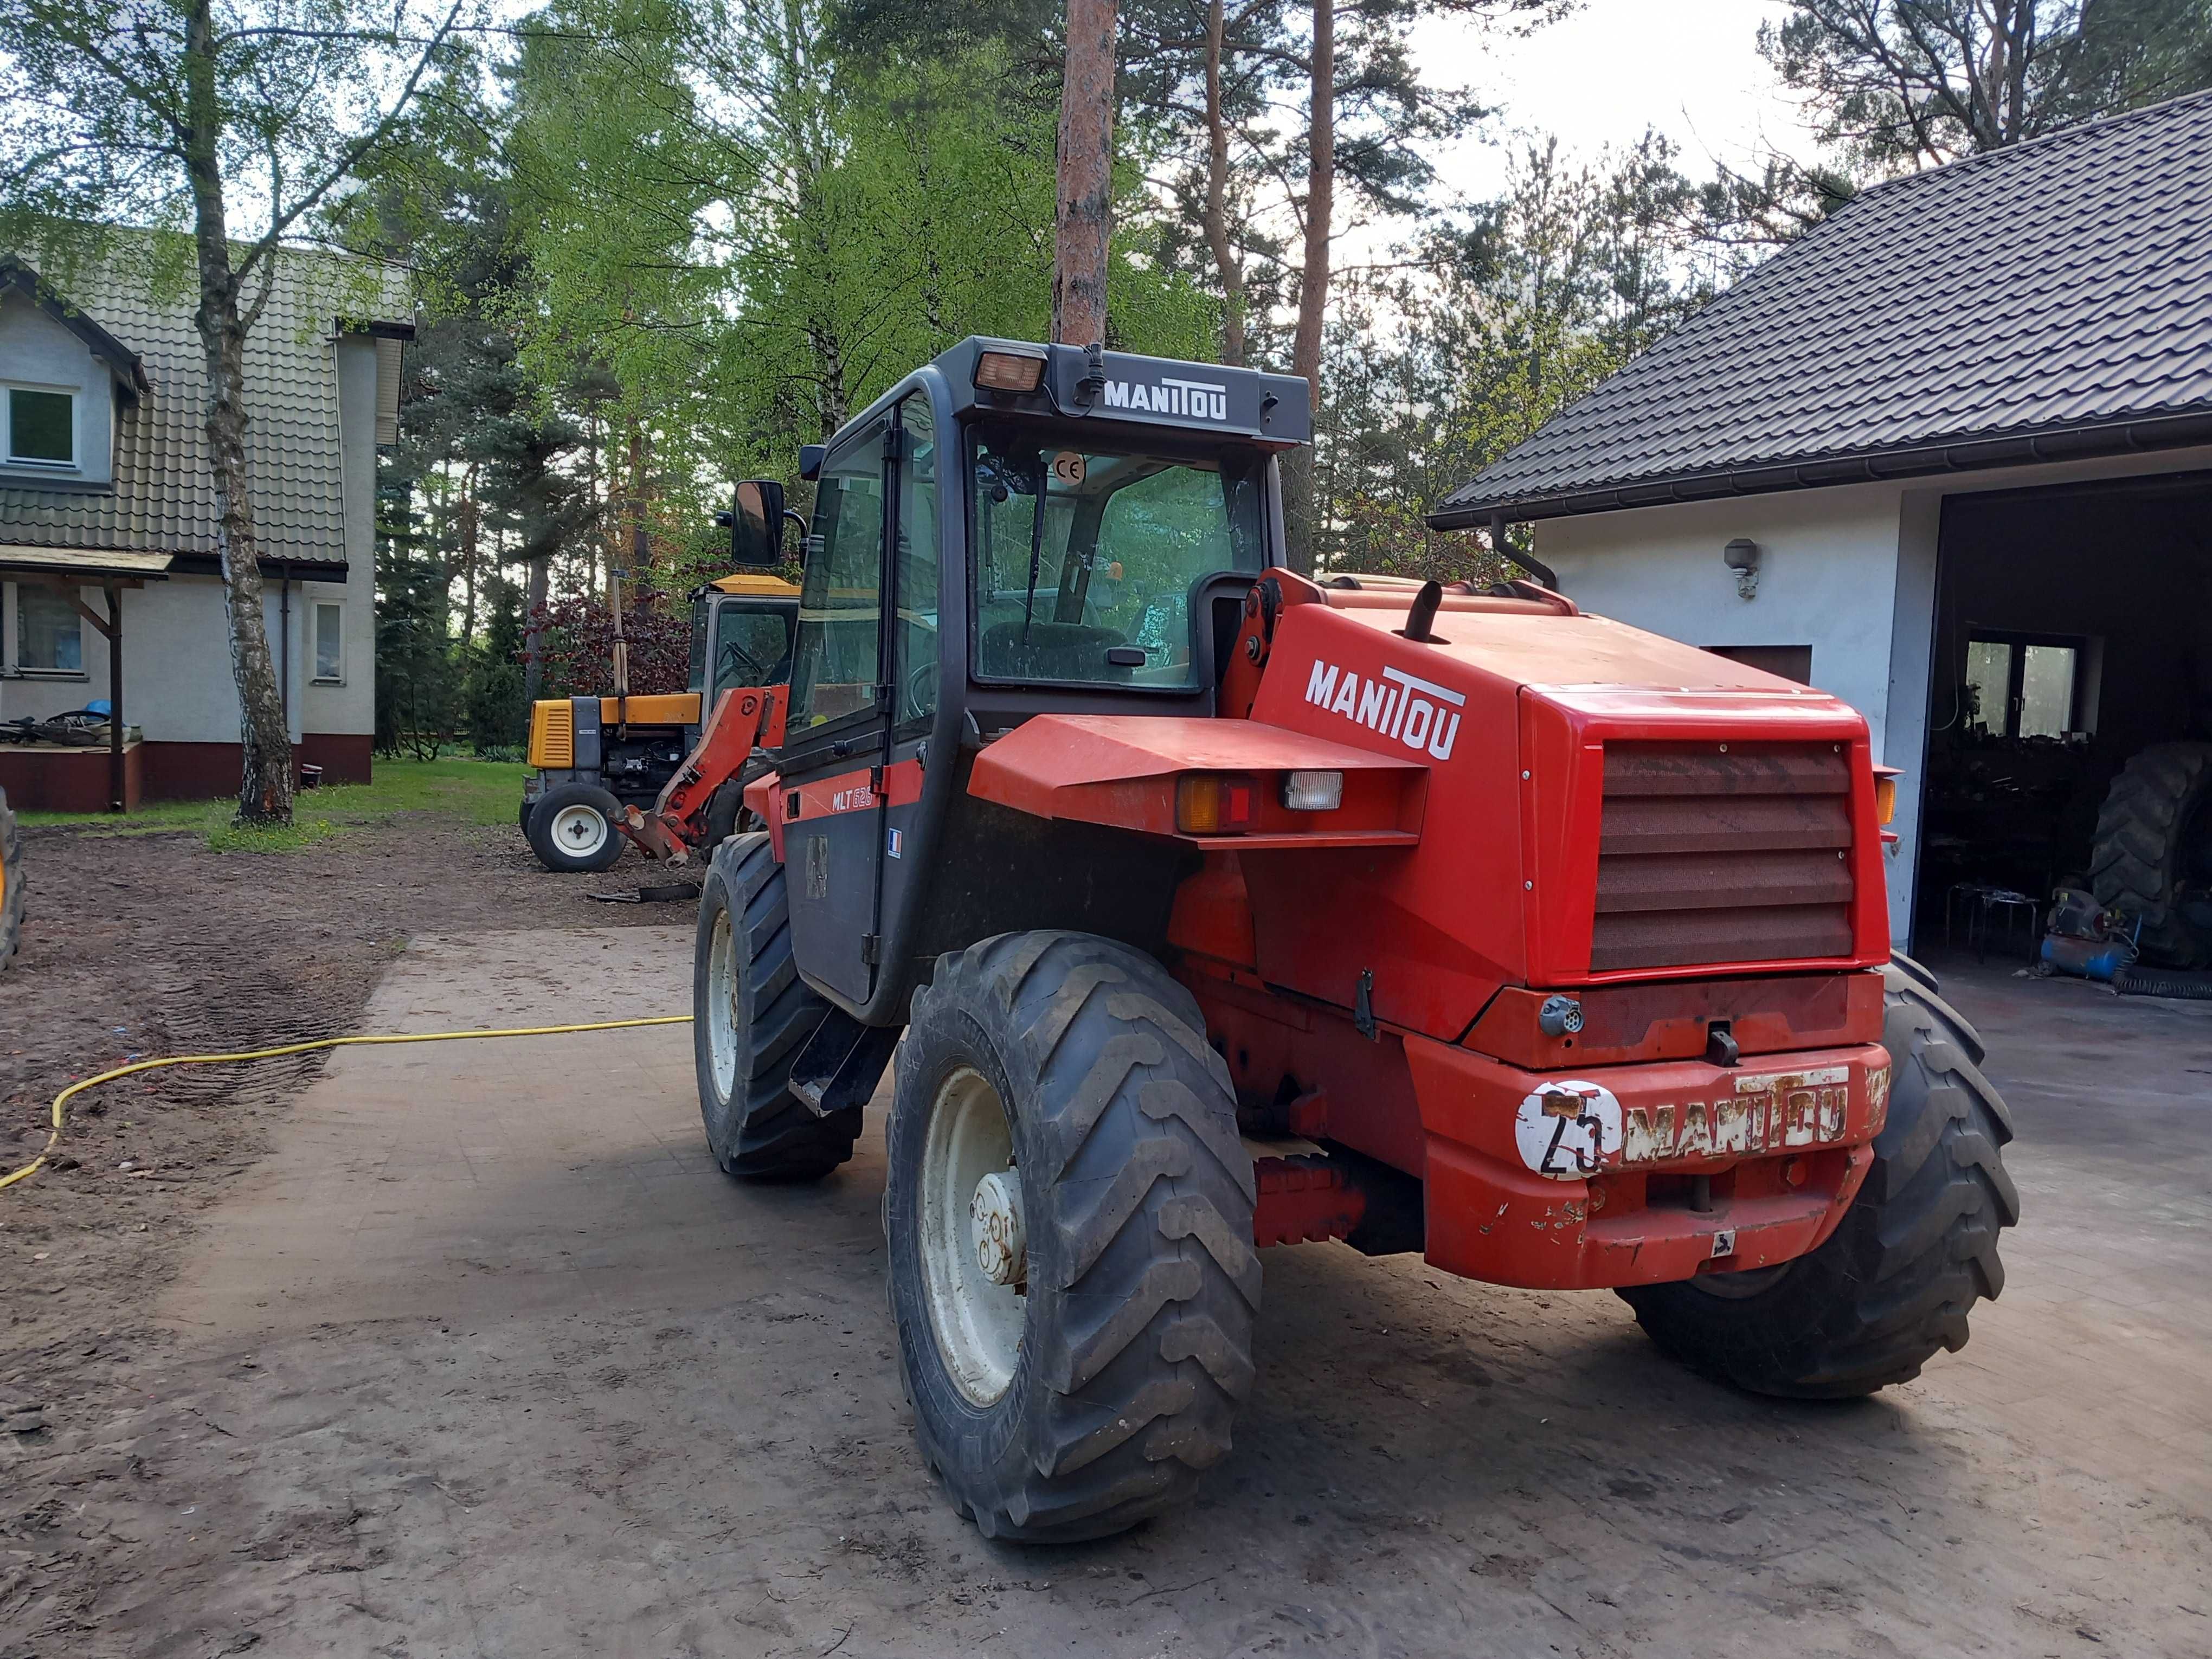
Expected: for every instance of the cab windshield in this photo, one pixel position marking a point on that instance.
(1085, 558)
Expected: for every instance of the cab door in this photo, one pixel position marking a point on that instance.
(912, 648)
(833, 737)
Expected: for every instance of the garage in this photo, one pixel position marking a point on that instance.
(2073, 654)
(1949, 456)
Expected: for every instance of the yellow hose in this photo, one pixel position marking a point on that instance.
(77, 1088)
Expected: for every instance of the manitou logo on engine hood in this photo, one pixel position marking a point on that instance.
(1418, 713)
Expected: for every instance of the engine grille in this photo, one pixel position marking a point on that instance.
(1713, 854)
(552, 735)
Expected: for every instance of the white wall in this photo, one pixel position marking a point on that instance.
(177, 685)
(1825, 555)
(35, 351)
(350, 707)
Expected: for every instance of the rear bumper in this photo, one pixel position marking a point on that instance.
(1639, 1175)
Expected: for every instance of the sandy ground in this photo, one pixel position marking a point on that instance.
(485, 1358)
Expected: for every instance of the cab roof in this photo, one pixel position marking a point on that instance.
(755, 584)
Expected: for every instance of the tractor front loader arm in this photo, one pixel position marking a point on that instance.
(744, 719)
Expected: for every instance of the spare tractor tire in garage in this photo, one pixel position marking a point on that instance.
(2152, 860)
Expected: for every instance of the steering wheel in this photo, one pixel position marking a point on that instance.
(756, 674)
(920, 681)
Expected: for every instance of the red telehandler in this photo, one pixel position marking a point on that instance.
(1219, 909)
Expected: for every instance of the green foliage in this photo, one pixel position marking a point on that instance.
(1901, 84)
(1515, 312)
(415, 667)
(493, 706)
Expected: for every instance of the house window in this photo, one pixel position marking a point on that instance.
(41, 427)
(49, 633)
(329, 644)
(2025, 685)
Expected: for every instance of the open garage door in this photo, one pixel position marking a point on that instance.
(2069, 735)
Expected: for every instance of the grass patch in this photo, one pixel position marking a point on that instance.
(458, 788)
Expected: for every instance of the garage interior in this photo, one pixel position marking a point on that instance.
(2073, 632)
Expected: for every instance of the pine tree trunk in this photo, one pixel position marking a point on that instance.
(265, 791)
(1226, 265)
(470, 530)
(533, 629)
(1302, 503)
(1085, 226)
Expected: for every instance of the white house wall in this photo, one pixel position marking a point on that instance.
(177, 685)
(349, 707)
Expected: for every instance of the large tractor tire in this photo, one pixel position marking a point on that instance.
(571, 829)
(1069, 1221)
(2154, 835)
(752, 1014)
(1916, 1250)
(11, 882)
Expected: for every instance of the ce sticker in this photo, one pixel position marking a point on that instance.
(1568, 1130)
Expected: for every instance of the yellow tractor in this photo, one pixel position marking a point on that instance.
(595, 757)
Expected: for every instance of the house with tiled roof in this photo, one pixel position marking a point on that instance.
(1949, 456)
(110, 589)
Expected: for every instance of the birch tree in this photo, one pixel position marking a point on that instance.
(230, 123)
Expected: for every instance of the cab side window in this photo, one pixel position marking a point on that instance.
(835, 672)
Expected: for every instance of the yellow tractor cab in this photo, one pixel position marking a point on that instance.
(593, 756)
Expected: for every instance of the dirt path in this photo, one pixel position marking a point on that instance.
(151, 945)
(486, 1358)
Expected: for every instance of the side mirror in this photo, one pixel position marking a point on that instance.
(810, 457)
(756, 524)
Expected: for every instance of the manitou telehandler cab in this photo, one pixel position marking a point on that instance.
(606, 766)
(1221, 908)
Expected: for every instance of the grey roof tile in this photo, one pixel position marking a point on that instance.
(164, 499)
(2063, 284)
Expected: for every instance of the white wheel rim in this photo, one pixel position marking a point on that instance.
(723, 1005)
(580, 831)
(978, 1324)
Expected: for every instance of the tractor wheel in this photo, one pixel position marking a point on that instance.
(724, 808)
(752, 1014)
(11, 882)
(1068, 1213)
(1917, 1248)
(572, 829)
(2154, 836)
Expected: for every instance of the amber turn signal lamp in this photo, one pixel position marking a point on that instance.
(1002, 370)
(1885, 799)
(1208, 804)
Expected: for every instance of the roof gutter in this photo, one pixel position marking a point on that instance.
(2071, 443)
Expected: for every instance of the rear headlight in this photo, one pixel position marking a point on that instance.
(1313, 792)
(1210, 805)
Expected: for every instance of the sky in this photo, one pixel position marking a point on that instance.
(1690, 68)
